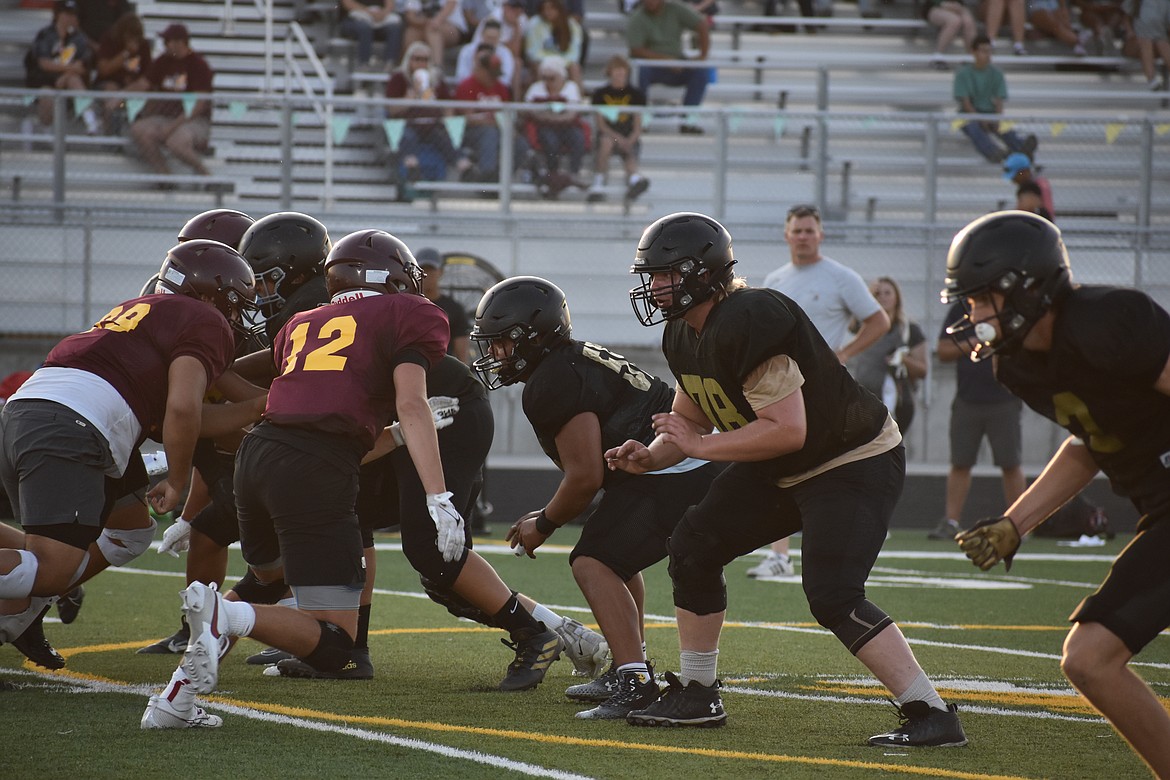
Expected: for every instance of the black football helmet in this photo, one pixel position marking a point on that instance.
(372, 260)
(1017, 254)
(285, 250)
(528, 311)
(694, 245)
(204, 268)
(226, 226)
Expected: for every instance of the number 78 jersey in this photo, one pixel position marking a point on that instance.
(335, 364)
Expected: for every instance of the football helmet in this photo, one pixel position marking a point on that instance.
(694, 245)
(285, 250)
(372, 260)
(204, 268)
(226, 226)
(528, 311)
(1017, 254)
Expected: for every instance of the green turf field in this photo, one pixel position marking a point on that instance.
(798, 704)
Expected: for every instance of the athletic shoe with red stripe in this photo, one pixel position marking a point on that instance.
(202, 604)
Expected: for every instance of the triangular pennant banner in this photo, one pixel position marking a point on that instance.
(394, 129)
(455, 125)
(1057, 128)
(189, 102)
(647, 117)
(692, 119)
(734, 120)
(957, 125)
(28, 99)
(1005, 125)
(778, 125)
(237, 109)
(81, 103)
(502, 119)
(868, 122)
(341, 127)
(133, 107)
(556, 106)
(1112, 130)
(1161, 130)
(611, 113)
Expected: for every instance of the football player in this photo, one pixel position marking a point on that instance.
(1068, 352)
(581, 400)
(810, 450)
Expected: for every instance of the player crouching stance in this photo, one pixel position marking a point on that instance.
(343, 370)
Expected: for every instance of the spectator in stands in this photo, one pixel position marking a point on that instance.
(654, 32)
(431, 263)
(60, 58)
(1018, 169)
(556, 131)
(554, 33)
(1030, 198)
(179, 70)
(98, 16)
(1051, 18)
(475, 13)
(123, 56)
(620, 134)
(951, 18)
(1150, 20)
(1017, 11)
(981, 88)
(1104, 18)
(438, 23)
(365, 20)
(982, 408)
(481, 134)
(513, 19)
(488, 34)
(710, 8)
(425, 149)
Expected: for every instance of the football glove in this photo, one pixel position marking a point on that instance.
(177, 538)
(450, 539)
(991, 540)
(443, 411)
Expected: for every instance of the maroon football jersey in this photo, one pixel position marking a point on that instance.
(132, 348)
(336, 362)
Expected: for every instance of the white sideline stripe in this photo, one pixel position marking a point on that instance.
(475, 756)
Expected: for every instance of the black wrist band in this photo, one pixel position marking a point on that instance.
(544, 525)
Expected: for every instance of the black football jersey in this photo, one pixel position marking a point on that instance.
(743, 331)
(1109, 346)
(578, 377)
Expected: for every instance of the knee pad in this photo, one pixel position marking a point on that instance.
(253, 591)
(122, 546)
(695, 570)
(333, 649)
(858, 626)
(18, 583)
(454, 603)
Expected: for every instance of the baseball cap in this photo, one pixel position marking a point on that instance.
(65, 6)
(1015, 162)
(175, 32)
(429, 257)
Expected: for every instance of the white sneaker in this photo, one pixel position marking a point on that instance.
(209, 635)
(162, 714)
(586, 648)
(774, 565)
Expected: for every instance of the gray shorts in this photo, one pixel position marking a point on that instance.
(999, 422)
(53, 465)
(1152, 20)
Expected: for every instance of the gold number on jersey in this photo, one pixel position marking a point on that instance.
(337, 333)
(637, 378)
(1068, 408)
(123, 319)
(706, 392)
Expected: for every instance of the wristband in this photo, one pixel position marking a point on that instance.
(544, 525)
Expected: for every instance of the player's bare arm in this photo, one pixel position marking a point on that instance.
(418, 427)
(186, 384)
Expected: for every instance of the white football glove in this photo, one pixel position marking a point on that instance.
(450, 539)
(443, 411)
(177, 538)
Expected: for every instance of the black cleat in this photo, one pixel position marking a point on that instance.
(924, 726)
(175, 644)
(596, 691)
(36, 648)
(70, 604)
(683, 705)
(535, 652)
(359, 667)
(268, 656)
(637, 692)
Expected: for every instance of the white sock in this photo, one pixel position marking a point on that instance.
(241, 617)
(921, 690)
(634, 179)
(700, 667)
(179, 691)
(598, 179)
(290, 602)
(545, 615)
(640, 669)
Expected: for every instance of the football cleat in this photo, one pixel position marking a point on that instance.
(924, 726)
(586, 648)
(774, 565)
(174, 644)
(683, 705)
(535, 652)
(596, 691)
(202, 604)
(35, 647)
(945, 530)
(268, 656)
(637, 691)
(162, 714)
(358, 667)
(70, 604)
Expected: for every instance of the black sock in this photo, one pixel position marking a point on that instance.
(362, 640)
(513, 617)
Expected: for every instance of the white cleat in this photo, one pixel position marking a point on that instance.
(162, 714)
(209, 636)
(774, 565)
(586, 648)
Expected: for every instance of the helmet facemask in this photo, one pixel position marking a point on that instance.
(1025, 301)
(693, 286)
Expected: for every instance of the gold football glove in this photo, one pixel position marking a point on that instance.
(991, 540)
